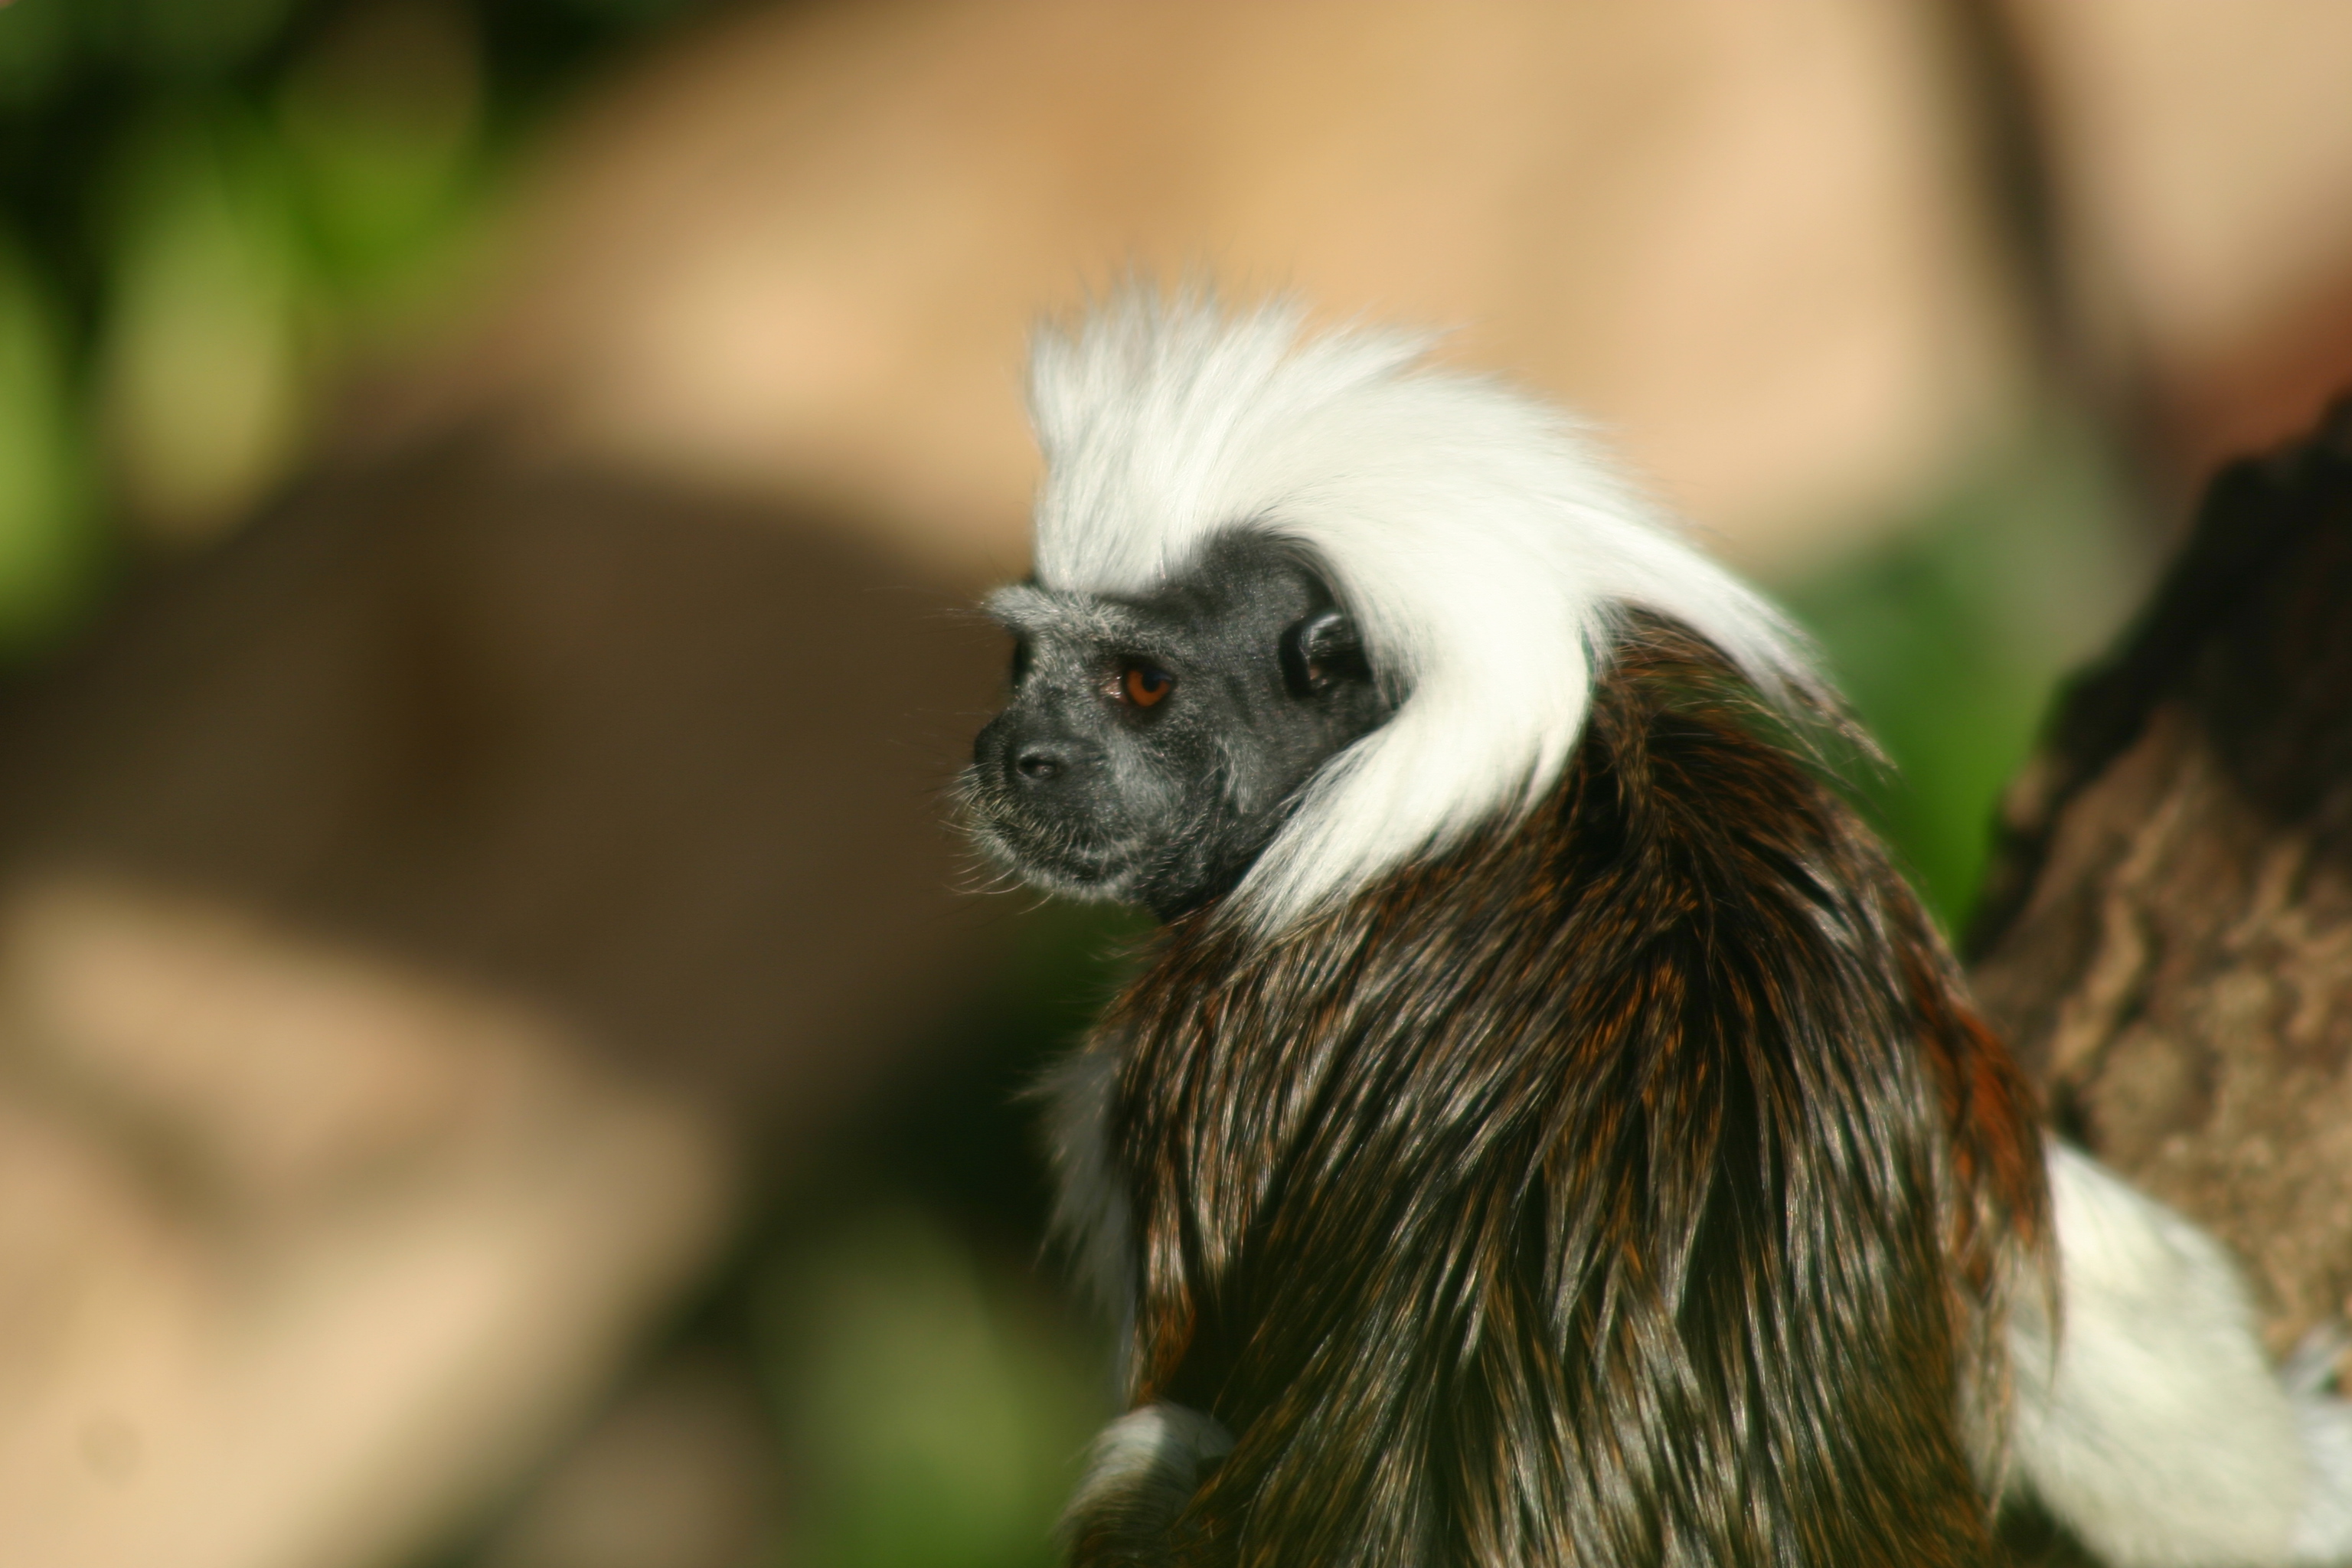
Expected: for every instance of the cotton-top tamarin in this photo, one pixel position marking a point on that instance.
(1546, 1131)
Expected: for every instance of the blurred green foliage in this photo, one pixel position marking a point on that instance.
(937, 1406)
(45, 504)
(210, 211)
(936, 1383)
(1949, 637)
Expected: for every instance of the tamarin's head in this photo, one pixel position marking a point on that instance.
(1305, 607)
(1154, 743)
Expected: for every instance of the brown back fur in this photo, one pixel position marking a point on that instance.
(1632, 1183)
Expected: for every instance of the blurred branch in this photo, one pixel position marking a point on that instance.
(2006, 88)
(2011, 146)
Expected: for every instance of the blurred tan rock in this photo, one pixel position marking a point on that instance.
(681, 1471)
(299, 1253)
(798, 257)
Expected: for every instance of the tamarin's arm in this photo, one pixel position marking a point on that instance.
(1143, 1468)
(2149, 1423)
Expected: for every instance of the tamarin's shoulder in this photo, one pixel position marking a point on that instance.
(1694, 821)
(1680, 749)
(1685, 779)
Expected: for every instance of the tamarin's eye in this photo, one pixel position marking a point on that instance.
(1147, 685)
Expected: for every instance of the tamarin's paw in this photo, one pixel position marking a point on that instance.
(1141, 1471)
(2323, 1533)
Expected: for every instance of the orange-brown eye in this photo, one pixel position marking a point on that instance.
(1146, 686)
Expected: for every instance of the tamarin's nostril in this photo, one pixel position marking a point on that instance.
(1038, 763)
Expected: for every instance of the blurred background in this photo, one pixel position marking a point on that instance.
(503, 1063)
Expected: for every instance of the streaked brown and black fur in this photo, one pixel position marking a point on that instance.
(1629, 1184)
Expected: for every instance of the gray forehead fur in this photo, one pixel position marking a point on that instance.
(1061, 612)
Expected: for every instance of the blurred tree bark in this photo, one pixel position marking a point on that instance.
(2166, 932)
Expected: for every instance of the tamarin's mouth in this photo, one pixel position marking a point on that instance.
(1048, 855)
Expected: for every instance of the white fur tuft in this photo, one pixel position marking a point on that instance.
(2146, 1420)
(1480, 541)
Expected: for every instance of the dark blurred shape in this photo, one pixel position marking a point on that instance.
(2167, 932)
(417, 917)
(676, 769)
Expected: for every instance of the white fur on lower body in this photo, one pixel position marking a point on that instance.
(2150, 1424)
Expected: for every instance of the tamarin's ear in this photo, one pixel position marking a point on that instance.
(1321, 651)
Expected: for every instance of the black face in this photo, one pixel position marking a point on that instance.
(1153, 746)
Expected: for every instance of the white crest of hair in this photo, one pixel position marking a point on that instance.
(1483, 545)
